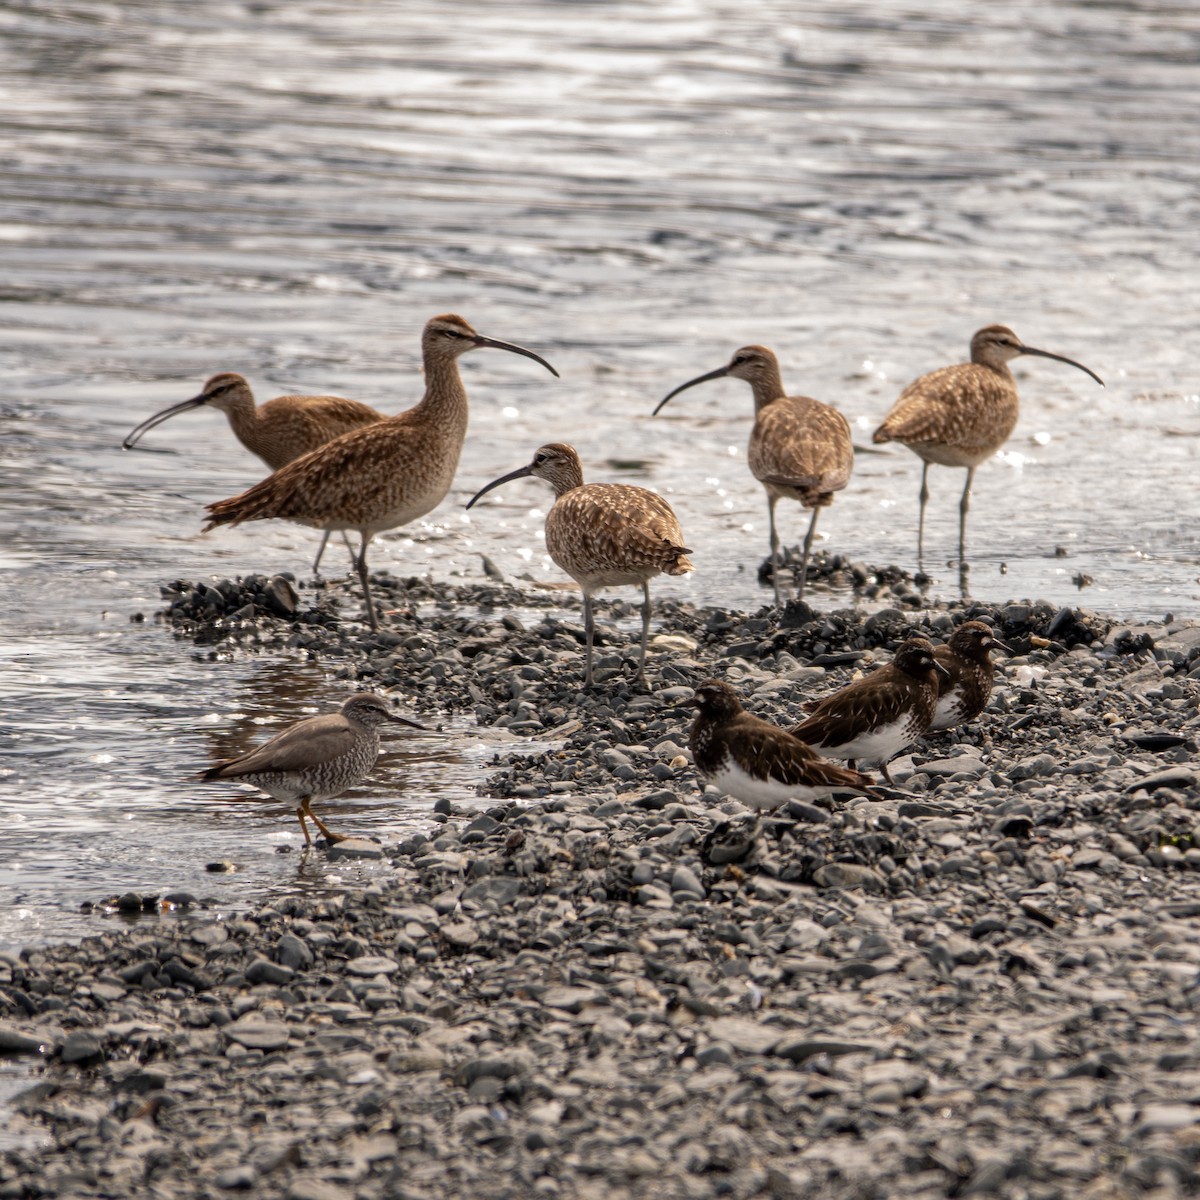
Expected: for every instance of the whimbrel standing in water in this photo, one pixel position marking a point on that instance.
(758, 763)
(278, 430)
(604, 534)
(800, 449)
(874, 718)
(317, 758)
(960, 416)
(383, 475)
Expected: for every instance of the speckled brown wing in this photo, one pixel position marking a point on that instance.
(968, 405)
(764, 751)
(801, 444)
(290, 426)
(309, 743)
(354, 478)
(880, 699)
(596, 529)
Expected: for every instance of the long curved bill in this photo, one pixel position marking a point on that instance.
(480, 340)
(719, 373)
(1059, 358)
(159, 417)
(519, 473)
(994, 643)
(944, 672)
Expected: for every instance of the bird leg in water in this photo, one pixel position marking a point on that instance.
(303, 825)
(320, 553)
(921, 517)
(326, 832)
(808, 541)
(963, 508)
(774, 549)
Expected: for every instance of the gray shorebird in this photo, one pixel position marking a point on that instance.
(756, 762)
(604, 534)
(874, 718)
(278, 430)
(964, 691)
(800, 449)
(317, 758)
(960, 416)
(383, 475)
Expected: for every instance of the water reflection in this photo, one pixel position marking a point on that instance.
(191, 190)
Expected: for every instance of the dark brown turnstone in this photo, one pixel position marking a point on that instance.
(317, 758)
(874, 718)
(964, 693)
(754, 761)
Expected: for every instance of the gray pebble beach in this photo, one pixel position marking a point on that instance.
(608, 983)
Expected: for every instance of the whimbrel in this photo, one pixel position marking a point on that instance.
(800, 449)
(754, 761)
(278, 430)
(964, 692)
(960, 416)
(317, 758)
(604, 534)
(383, 475)
(874, 718)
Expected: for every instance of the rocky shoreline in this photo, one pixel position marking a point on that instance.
(609, 984)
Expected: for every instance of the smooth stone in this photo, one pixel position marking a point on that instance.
(744, 1035)
(848, 875)
(262, 970)
(257, 1033)
(570, 999)
(798, 1049)
(293, 951)
(462, 934)
(12, 1042)
(236, 1178)
(82, 1047)
(354, 847)
(965, 765)
(372, 965)
(1172, 777)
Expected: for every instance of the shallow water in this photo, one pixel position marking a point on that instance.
(289, 191)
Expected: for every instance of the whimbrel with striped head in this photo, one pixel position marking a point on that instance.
(874, 718)
(800, 449)
(317, 758)
(960, 416)
(278, 430)
(756, 762)
(383, 475)
(604, 534)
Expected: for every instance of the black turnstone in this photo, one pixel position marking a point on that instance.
(754, 761)
(963, 693)
(874, 718)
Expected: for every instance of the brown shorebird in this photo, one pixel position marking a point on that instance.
(964, 692)
(317, 758)
(960, 416)
(874, 718)
(756, 762)
(800, 449)
(278, 430)
(604, 534)
(386, 474)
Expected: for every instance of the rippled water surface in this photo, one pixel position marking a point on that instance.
(289, 191)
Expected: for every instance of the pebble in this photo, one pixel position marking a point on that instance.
(612, 982)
